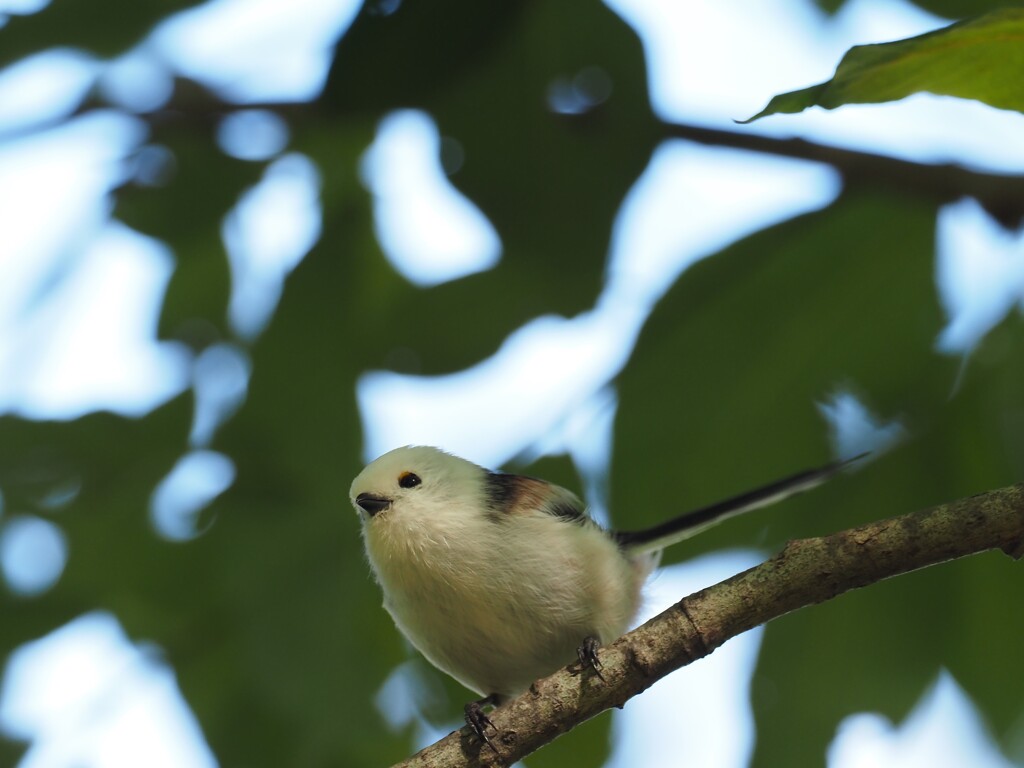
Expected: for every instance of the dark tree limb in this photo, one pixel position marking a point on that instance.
(1002, 195)
(806, 572)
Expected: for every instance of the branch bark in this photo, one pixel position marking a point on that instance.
(1000, 194)
(805, 572)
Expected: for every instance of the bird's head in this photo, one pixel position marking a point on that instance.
(415, 479)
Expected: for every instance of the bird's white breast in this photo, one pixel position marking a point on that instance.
(499, 602)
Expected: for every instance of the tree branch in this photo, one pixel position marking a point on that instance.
(806, 572)
(1002, 195)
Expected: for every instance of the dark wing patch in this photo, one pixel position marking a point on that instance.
(518, 494)
(567, 510)
(501, 491)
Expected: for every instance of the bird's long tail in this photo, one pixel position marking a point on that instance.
(691, 523)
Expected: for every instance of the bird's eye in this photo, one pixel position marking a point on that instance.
(409, 480)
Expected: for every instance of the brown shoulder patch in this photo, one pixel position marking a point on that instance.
(517, 494)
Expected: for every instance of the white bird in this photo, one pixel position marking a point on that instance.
(500, 579)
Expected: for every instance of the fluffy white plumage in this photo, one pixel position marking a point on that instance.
(498, 578)
(495, 578)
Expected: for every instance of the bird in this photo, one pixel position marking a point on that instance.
(500, 579)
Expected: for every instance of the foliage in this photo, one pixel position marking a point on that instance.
(270, 618)
(978, 58)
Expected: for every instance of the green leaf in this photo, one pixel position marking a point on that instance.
(949, 9)
(980, 58)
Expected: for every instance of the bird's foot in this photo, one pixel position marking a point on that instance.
(478, 721)
(587, 654)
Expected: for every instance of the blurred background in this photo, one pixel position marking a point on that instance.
(248, 245)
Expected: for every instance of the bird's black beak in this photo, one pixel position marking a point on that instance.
(371, 504)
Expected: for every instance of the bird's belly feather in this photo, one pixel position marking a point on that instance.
(495, 623)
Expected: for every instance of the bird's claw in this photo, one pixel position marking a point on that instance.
(479, 722)
(587, 654)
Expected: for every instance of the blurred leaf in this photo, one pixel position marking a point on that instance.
(117, 462)
(11, 752)
(103, 27)
(879, 649)
(585, 746)
(202, 186)
(270, 617)
(723, 385)
(541, 177)
(303, 605)
(958, 9)
(950, 9)
(725, 376)
(444, 40)
(981, 58)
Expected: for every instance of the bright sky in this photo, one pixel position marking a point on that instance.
(62, 354)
